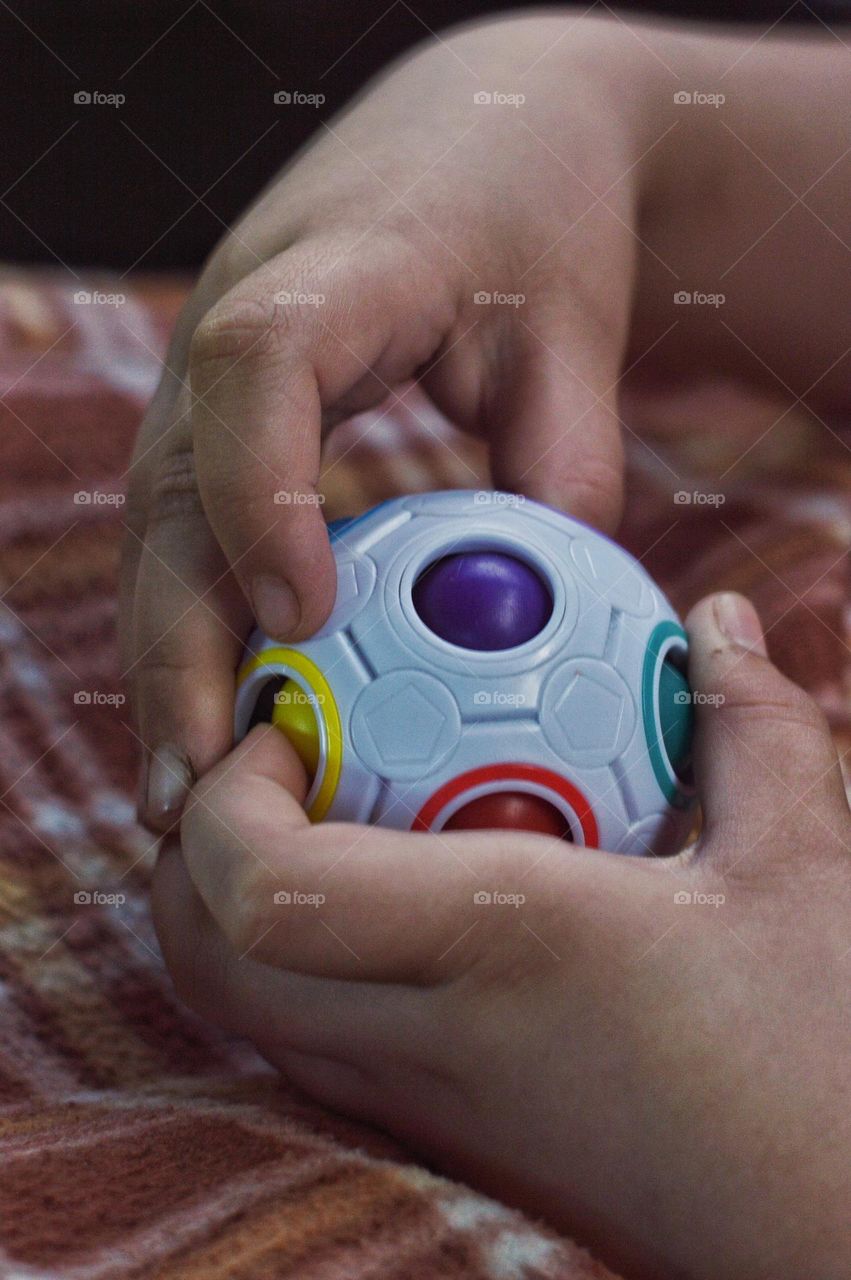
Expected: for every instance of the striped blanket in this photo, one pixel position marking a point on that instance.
(136, 1141)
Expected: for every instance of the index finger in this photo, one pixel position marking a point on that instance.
(287, 343)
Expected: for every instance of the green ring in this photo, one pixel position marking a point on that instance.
(665, 776)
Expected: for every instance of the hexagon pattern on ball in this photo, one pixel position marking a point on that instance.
(489, 662)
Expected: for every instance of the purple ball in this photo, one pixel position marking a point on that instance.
(482, 600)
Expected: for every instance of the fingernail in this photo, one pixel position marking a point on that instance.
(276, 606)
(738, 620)
(169, 779)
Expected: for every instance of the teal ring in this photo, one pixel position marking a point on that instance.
(673, 792)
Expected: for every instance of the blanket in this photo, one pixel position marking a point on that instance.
(136, 1141)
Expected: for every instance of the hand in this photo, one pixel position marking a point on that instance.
(655, 1055)
(593, 203)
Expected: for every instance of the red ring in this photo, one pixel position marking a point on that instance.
(510, 773)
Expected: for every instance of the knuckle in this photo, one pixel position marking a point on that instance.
(597, 491)
(163, 662)
(803, 710)
(159, 690)
(242, 511)
(165, 669)
(234, 258)
(237, 329)
(769, 696)
(174, 495)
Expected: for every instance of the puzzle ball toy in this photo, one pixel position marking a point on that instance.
(489, 663)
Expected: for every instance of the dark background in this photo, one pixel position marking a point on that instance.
(118, 186)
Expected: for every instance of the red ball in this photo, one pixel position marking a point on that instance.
(511, 811)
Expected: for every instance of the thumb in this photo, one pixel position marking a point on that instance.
(765, 764)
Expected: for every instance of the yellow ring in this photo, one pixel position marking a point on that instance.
(332, 762)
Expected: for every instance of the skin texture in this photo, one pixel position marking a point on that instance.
(668, 1081)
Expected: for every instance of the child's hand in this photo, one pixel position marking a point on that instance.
(596, 202)
(655, 1055)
